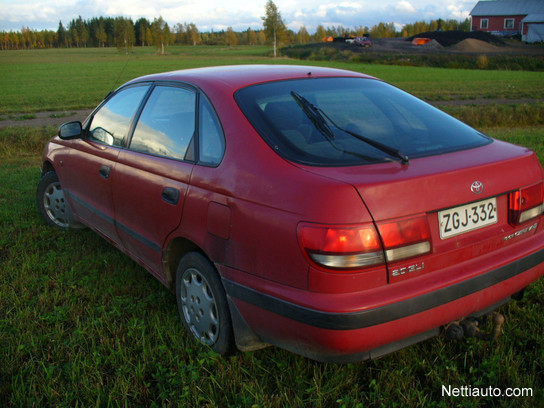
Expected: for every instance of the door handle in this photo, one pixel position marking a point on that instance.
(170, 195)
(105, 172)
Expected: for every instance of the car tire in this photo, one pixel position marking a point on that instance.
(52, 203)
(202, 303)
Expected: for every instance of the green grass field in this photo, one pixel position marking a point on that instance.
(41, 80)
(83, 325)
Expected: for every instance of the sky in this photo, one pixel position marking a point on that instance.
(238, 14)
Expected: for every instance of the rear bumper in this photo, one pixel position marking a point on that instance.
(393, 311)
(371, 331)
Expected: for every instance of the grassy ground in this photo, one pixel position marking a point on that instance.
(83, 325)
(59, 79)
(499, 115)
(34, 80)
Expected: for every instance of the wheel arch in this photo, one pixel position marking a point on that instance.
(175, 250)
(245, 338)
(47, 166)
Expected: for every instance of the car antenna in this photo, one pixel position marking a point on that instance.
(119, 76)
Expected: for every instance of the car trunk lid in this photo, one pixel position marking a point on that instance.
(454, 192)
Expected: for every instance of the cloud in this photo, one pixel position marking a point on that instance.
(405, 7)
(239, 14)
(21, 12)
(458, 12)
(347, 14)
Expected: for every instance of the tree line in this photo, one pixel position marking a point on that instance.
(124, 33)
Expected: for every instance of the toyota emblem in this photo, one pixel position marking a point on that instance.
(477, 187)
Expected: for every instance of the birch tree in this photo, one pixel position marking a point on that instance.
(274, 26)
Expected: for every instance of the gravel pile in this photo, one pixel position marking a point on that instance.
(449, 38)
(472, 45)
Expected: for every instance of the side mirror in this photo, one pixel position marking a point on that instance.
(70, 130)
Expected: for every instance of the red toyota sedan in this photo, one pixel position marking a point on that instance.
(320, 210)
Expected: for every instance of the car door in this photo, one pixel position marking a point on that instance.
(89, 170)
(153, 174)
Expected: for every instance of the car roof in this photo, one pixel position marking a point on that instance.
(239, 76)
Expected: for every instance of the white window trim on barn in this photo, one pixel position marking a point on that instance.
(509, 23)
(484, 23)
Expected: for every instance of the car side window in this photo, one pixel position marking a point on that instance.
(110, 125)
(167, 123)
(212, 140)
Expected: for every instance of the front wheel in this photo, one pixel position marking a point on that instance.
(51, 201)
(202, 303)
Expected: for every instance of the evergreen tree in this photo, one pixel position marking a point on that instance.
(80, 32)
(61, 35)
(141, 28)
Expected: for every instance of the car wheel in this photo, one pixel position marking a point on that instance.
(51, 201)
(202, 303)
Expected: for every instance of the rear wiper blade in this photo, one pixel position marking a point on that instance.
(380, 146)
(314, 115)
(319, 118)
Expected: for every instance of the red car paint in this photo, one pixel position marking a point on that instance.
(247, 215)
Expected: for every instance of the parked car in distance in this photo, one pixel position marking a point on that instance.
(320, 210)
(362, 42)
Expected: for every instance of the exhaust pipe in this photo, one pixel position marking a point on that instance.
(470, 327)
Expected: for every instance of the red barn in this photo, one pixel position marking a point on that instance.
(510, 17)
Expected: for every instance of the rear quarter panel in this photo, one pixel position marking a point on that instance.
(266, 198)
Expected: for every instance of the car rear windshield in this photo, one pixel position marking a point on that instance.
(350, 121)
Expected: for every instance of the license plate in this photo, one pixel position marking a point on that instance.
(469, 217)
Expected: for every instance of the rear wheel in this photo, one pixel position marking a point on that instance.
(51, 201)
(202, 303)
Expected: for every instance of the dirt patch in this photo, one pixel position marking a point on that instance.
(449, 38)
(432, 45)
(484, 101)
(44, 118)
(442, 43)
(465, 46)
(473, 45)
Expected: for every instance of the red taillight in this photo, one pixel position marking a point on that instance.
(341, 247)
(525, 204)
(405, 238)
(349, 247)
